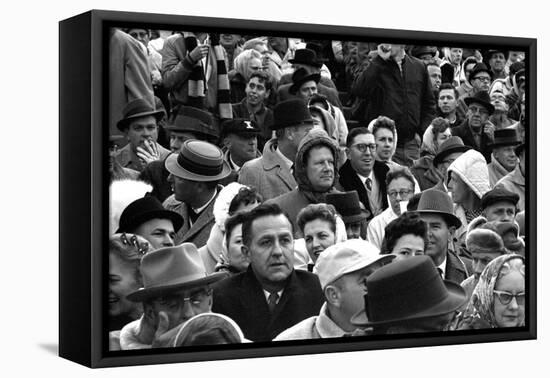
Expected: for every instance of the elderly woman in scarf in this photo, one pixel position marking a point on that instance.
(498, 300)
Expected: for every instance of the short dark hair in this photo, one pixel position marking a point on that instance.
(447, 86)
(245, 196)
(232, 222)
(439, 125)
(408, 223)
(397, 172)
(354, 132)
(264, 77)
(383, 122)
(263, 210)
(311, 212)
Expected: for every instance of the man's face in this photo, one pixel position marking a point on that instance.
(361, 153)
(242, 147)
(480, 261)
(177, 138)
(308, 89)
(445, 163)
(438, 236)
(256, 92)
(515, 56)
(447, 101)
(297, 133)
(140, 130)
(502, 211)
(122, 281)
(356, 230)
(498, 100)
(434, 73)
(320, 168)
(506, 156)
(159, 232)
(477, 115)
(458, 188)
(183, 305)
(319, 236)
(497, 62)
(271, 250)
(141, 35)
(481, 82)
(399, 189)
(254, 65)
(229, 40)
(184, 190)
(456, 56)
(385, 142)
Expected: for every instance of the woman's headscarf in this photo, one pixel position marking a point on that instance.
(483, 300)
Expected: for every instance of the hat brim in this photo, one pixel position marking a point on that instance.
(455, 299)
(356, 217)
(312, 64)
(177, 220)
(451, 219)
(295, 86)
(308, 121)
(123, 123)
(504, 144)
(488, 105)
(443, 154)
(174, 168)
(143, 294)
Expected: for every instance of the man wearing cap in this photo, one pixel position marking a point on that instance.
(476, 130)
(146, 217)
(504, 159)
(409, 296)
(185, 123)
(195, 173)
(176, 287)
(436, 209)
(515, 180)
(342, 269)
(315, 172)
(271, 295)
(271, 174)
(363, 173)
(240, 140)
(139, 126)
(480, 78)
(352, 211)
(499, 204)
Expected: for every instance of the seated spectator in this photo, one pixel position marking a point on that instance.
(503, 159)
(240, 140)
(352, 212)
(449, 151)
(405, 236)
(499, 204)
(515, 180)
(500, 117)
(434, 136)
(209, 329)
(246, 63)
(447, 103)
(342, 270)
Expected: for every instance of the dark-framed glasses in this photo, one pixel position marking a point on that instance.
(505, 297)
(485, 79)
(478, 109)
(195, 298)
(363, 147)
(402, 193)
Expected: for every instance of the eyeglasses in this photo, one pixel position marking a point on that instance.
(505, 297)
(362, 147)
(485, 79)
(476, 109)
(196, 299)
(402, 193)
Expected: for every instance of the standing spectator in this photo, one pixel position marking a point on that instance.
(246, 63)
(497, 62)
(231, 44)
(480, 79)
(450, 66)
(427, 54)
(240, 142)
(499, 205)
(447, 103)
(363, 173)
(352, 212)
(497, 95)
(465, 88)
(434, 72)
(515, 180)
(410, 103)
(271, 295)
(405, 236)
(503, 159)
(342, 269)
(271, 174)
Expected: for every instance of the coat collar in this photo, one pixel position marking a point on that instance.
(271, 160)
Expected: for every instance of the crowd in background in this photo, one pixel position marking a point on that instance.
(271, 188)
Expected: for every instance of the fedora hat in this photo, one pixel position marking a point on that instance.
(291, 112)
(479, 67)
(407, 290)
(171, 269)
(347, 205)
(198, 161)
(435, 201)
(307, 57)
(301, 76)
(136, 109)
(194, 120)
(450, 146)
(505, 137)
(481, 98)
(143, 210)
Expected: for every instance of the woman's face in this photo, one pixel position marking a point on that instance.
(122, 281)
(318, 236)
(234, 250)
(513, 313)
(442, 137)
(407, 246)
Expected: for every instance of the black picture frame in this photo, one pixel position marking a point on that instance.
(84, 192)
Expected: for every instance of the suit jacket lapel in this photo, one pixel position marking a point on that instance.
(252, 298)
(350, 181)
(206, 216)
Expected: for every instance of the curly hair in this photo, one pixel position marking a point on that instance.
(245, 196)
(315, 211)
(408, 223)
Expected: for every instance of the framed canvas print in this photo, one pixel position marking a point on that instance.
(235, 188)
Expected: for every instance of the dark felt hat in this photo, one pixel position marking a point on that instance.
(347, 205)
(171, 269)
(301, 76)
(240, 126)
(505, 137)
(136, 109)
(481, 98)
(418, 51)
(194, 120)
(143, 210)
(291, 112)
(519, 149)
(198, 161)
(307, 57)
(434, 201)
(479, 67)
(450, 146)
(499, 194)
(407, 290)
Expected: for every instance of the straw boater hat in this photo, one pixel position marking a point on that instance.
(172, 269)
(136, 109)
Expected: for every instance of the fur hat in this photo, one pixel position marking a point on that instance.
(483, 240)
